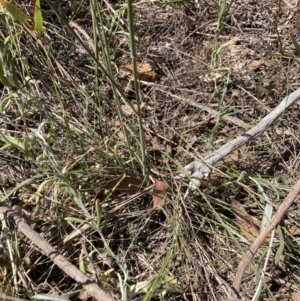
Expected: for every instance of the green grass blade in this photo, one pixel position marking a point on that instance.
(3, 78)
(38, 17)
(281, 246)
(15, 12)
(136, 85)
(296, 44)
(14, 142)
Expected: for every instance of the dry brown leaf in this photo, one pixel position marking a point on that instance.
(293, 230)
(233, 157)
(235, 93)
(159, 193)
(295, 296)
(257, 64)
(128, 110)
(249, 225)
(116, 123)
(144, 69)
(121, 185)
(126, 184)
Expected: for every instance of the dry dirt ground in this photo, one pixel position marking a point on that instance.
(199, 100)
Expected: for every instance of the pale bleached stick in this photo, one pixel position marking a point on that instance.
(198, 169)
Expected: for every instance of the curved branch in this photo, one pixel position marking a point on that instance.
(65, 265)
(197, 169)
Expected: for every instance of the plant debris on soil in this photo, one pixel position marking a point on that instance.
(71, 164)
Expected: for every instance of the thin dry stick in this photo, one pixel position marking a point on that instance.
(282, 209)
(91, 287)
(205, 107)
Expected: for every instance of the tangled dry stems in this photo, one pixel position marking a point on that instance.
(82, 135)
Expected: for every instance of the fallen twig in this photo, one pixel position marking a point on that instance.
(198, 169)
(282, 209)
(212, 112)
(91, 287)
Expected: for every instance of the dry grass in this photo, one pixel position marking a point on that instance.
(71, 141)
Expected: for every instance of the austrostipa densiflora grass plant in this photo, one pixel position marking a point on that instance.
(79, 166)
